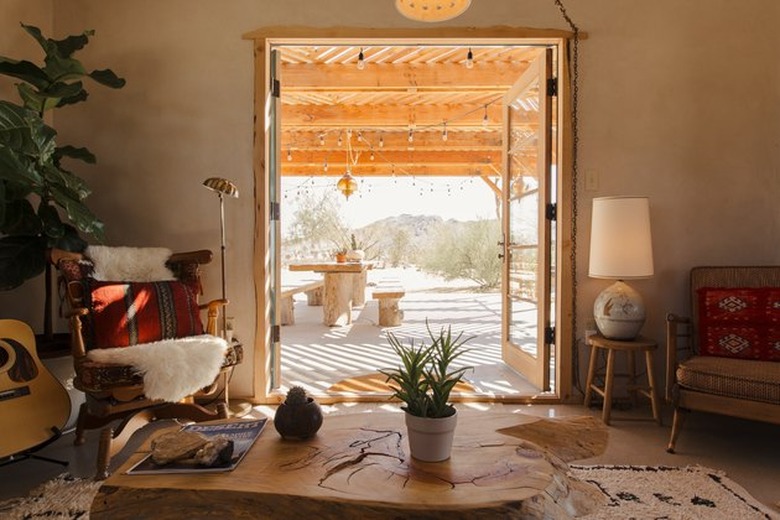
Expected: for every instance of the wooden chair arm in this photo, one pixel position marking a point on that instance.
(673, 323)
(213, 315)
(77, 348)
(202, 256)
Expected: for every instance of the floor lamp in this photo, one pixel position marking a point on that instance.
(222, 187)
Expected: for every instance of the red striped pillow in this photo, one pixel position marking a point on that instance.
(128, 313)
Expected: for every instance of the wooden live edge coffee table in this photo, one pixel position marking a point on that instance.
(502, 466)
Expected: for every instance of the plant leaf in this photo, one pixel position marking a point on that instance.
(108, 78)
(25, 71)
(50, 219)
(71, 44)
(74, 153)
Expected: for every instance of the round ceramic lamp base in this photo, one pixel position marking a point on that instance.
(619, 312)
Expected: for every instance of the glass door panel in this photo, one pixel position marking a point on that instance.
(527, 230)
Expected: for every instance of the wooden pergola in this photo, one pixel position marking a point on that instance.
(409, 110)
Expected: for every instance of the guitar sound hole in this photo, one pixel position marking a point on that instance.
(4, 357)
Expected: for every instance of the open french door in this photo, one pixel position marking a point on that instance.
(528, 213)
(274, 122)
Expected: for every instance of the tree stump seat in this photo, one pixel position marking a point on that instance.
(389, 297)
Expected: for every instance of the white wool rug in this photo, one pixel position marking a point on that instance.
(633, 492)
(130, 264)
(666, 492)
(173, 368)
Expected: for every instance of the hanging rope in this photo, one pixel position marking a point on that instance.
(574, 64)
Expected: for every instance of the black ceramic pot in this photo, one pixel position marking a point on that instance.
(298, 421)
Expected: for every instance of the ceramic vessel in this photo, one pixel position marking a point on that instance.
(355, 255)
(430, 439)
(298, 421)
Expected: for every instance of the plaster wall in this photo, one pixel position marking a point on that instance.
(678, 101)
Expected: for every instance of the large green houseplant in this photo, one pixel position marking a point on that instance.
(423, 381)
(41, 202)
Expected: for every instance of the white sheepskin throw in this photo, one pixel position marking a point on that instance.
(130, 264)
(173, 368)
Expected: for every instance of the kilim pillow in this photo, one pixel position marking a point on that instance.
(128, 313)
(740, 323)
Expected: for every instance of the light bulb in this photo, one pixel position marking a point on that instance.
(470, 59)
(381, 142)
(289, 155)
(485, 119)
(444, 133)
(361, 62)
(322, 139)
(325, 166)
(411, 136)
(372, 155)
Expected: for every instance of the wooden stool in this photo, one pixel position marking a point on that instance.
(631, 347)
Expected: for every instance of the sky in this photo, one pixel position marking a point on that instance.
(457, 198)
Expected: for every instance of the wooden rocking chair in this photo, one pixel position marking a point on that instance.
(137, 312)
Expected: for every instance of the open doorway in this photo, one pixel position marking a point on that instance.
(436, 124)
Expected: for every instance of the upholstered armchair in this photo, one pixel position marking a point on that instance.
(139, 346)
(724, 357)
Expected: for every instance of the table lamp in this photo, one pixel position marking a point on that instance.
(222, 187)
(620, 249)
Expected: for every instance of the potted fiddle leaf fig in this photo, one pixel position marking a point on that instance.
(423, 381)
(42, 204)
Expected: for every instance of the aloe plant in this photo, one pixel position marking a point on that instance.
(425, 379)
(31, 169)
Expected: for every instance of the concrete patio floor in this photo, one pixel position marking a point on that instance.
(316, 356)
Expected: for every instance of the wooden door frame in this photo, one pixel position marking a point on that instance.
(266, 37)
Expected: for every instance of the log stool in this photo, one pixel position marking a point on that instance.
(390, 313)
(631, 347)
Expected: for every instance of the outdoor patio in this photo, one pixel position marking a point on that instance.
(316, 356)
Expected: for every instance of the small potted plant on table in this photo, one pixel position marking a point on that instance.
(423, 382)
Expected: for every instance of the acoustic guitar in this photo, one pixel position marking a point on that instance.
(34, 406)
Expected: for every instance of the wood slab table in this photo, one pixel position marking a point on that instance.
(345, 287)
(357, 467)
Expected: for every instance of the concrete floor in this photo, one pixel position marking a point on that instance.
(748, 452)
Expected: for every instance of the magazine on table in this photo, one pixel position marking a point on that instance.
(242, 432)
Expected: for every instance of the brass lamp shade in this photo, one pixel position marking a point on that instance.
(431, 10)
(222, 186)
(347, 185)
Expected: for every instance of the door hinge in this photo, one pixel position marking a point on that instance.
(276, 211)
(551, 211)
(549, 335)
(276, 88)
(276, 334)
(552, 87)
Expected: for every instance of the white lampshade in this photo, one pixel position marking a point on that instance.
(620, 243)
(620, 248)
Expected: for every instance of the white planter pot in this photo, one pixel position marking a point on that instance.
(430, 440)
(355, 255)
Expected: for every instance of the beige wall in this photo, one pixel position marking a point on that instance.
(679, 102)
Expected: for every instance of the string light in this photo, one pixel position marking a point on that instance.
(470, 59)
(361, 62)
(340, 141)
(381, 141)
(485, 119)
(411, 135)
(325, 166)
(322, 139)
(372, 155)
(444, 132)
(289, 155)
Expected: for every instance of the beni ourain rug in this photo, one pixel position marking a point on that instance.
(632, 492)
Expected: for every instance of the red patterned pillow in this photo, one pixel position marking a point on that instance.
(740, 323)
(128, 313)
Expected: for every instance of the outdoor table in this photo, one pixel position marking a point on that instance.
(345, 287)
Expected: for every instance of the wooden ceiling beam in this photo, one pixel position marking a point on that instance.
(363, 155)
(397, 140)
(350, 116)
(387, 170)
(389, 76)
